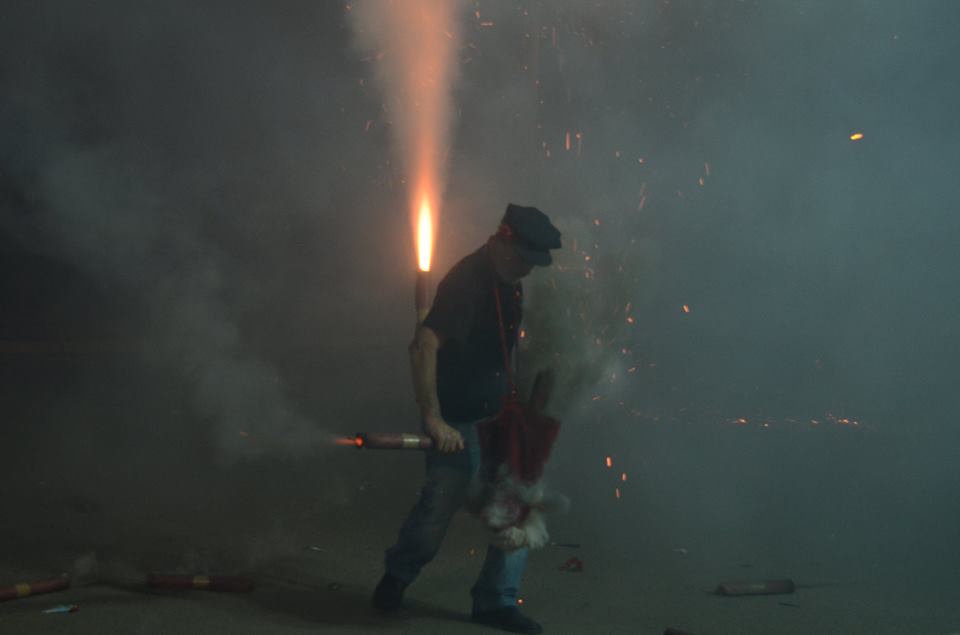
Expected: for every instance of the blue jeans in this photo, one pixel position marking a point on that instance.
(445, 490)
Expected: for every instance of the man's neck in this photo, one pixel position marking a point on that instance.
(490, 250)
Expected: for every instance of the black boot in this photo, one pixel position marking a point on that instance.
(507, 618)
(388, 596)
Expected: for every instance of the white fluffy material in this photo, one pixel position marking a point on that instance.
(514, 511)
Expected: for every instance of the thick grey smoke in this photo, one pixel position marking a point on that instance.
(110, 191)
(225, 178)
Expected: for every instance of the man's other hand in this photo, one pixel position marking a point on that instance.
(446, 439)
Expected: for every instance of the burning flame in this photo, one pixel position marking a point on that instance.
(412, 47)
(424, 236)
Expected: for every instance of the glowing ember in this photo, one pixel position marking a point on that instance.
(623, 476)
(350, 441)
(856, 136)
(616, 492)
(424, 236)
(686, 309)
(609, 462)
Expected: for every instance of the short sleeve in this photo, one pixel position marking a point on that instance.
(451, 315)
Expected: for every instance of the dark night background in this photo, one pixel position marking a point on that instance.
(206, 274)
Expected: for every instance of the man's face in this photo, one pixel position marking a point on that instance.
(515, 267)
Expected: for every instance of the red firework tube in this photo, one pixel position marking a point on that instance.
(393, 441)
(421, 295)
(23, 589)
(542, 390)
(765, 587)
(230, 583)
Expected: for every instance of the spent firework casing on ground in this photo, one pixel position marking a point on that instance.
(24, 589)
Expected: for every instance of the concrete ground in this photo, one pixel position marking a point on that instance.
(619, 591)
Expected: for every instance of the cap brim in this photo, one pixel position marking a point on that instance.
(535, 257)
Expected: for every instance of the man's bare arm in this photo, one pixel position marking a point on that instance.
(423, 369)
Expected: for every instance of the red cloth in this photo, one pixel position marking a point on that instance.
(520, 438)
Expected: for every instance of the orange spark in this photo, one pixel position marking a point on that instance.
(609, 462)
(623, 476)
(686, 309)
(856, 136)
(616, 493)
(566, 143)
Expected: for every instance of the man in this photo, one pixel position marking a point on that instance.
(457, 363)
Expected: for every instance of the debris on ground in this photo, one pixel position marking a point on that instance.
(229, 583)
(764, 587)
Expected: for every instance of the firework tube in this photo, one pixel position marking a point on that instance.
(765, 587)
(542, 390)
(421, 295)
(236, 584)
(23, 589)
(393, 441)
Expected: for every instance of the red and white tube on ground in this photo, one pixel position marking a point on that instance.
(24, 589)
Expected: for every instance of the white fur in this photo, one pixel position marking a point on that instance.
(503, 503)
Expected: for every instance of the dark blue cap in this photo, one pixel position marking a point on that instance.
(531, 232)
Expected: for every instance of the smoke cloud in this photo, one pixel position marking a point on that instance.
(110, 192)
(753, 314)
(412, 46)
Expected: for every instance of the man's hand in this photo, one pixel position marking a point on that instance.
(446, 439)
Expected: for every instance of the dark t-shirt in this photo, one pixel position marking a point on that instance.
(471, 378)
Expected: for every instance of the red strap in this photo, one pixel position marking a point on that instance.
(503, 341)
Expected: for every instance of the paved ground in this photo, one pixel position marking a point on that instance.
(618, 592)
